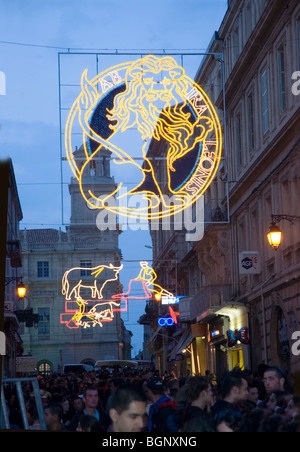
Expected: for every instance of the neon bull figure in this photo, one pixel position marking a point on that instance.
(72, 284)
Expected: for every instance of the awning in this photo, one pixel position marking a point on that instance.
(232, 310)
(184, 341)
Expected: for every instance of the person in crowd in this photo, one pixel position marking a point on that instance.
(275, 379)
(198, 424)
(172, 387)
(239, 408)
(252, 420)
(175, 420)
(14, 413)
(253, 394)
(127, 410)
(226, 423)
(234, 390)
(91, 406)
(278, 401)
(32, 416)
(200, 396)
(271, 424)
(162, 405)
(67, 412)
(88, 423)
(114, 384)
(77, 404)
(291, 412)
(53, 414)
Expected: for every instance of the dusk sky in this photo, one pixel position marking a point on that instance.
(32, 33)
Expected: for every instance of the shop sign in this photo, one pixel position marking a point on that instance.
(170, 320)
(25, 364)
(235, 336)
(170, 299)
(249, 263)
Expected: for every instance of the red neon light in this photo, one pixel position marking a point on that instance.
(174, 314)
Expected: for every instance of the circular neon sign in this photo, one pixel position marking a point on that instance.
(156, 98)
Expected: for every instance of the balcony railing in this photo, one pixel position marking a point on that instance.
(206, 302)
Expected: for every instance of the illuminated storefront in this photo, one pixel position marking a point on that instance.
(235, 343)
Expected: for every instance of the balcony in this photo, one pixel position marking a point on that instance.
(14, 252)
(206, 303)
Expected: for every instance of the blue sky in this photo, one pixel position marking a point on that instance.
(32, 32)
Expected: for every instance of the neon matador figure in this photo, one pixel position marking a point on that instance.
(146, 277)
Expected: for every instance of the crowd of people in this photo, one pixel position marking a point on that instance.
(144, 401)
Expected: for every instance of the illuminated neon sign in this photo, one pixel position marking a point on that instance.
(156, 97)
(84, 300)
(145, 285)
(170, 320)
(73, 284)
(171, 300)
(240, 335)
(81, 291)
(165, 321)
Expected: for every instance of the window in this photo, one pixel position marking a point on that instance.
(248, 20)
(265, 101)
(281, 79)
(44, 321)
(92, 168)
(43, 269)
(44, 368)
(250, 112)
(83, 265)
(238, 139)
(235, 45)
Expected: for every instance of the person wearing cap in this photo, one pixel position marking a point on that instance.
(162, 405)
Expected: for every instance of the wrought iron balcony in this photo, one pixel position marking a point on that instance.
(205, 303)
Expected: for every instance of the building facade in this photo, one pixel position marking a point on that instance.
(262, 51)
(63, 333)
(13, 264)
(242, 304)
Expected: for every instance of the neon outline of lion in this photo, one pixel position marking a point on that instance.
(171, 123)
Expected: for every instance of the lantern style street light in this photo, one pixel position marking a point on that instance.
(21, 288)
(275, 234)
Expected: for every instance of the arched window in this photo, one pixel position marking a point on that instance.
(44, 367)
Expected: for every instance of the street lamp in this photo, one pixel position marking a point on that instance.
(21, 288)
(274, 235)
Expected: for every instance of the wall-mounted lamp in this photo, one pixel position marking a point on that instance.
(275, 235)
(21, 288)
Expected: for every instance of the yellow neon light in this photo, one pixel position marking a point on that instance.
(95, 286)
(155, 99)
(75, 287)
(146, 277)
